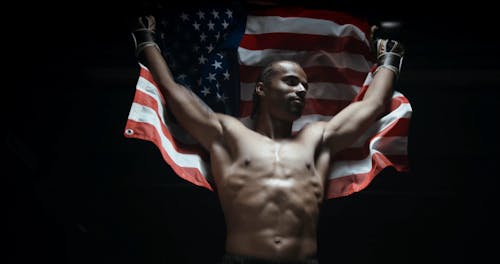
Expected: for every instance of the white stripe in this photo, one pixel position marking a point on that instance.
(301, 25)
(145, 114)
(262, 58)
(390, 145)
(317, 90)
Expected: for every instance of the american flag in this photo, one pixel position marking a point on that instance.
(218, 53)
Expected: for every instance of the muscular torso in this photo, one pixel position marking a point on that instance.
(270, 191)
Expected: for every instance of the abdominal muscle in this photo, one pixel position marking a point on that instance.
(271, 212)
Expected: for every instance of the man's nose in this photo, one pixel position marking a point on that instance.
(301, 91)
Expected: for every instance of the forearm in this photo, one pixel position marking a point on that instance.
(389, 59)
(154, 61)
(381, 87)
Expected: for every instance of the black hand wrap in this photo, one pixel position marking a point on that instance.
(389, 55)
(144, 35)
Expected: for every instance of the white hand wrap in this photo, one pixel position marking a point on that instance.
(144, 35)
(389, 55)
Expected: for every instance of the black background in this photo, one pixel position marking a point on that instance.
(78, 191)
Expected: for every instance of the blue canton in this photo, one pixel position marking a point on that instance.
(200, 46)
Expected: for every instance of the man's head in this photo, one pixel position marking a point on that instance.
(281, 90)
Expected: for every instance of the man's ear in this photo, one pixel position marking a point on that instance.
(259, 88)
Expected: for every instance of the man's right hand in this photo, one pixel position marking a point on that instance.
(143, 33)
(389, 51)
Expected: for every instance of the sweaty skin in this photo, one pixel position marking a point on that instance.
(271, 182)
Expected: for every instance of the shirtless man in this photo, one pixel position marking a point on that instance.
(271, 182)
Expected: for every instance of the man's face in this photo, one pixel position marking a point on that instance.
(285, 96)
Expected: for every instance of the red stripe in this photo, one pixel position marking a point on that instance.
(250, 74)
(349, 184)
(304, 42)
(326, 107)
(147, 132)
(340, 18)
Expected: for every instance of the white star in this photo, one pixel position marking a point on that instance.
(217, 65)
(211, 25)
(215, 14)
(226, 75)
(210, 48)
(182, 76)
(205, 91)
(225, 24)
(203, 37)
(196, 26)
(221, 97)
(184, 17)
(220, 55)
(229, 13)
(202, 59)
(201, 14)
(217, 36)
(211, 77)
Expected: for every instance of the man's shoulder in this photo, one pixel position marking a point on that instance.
(312, 130)
(231, 121)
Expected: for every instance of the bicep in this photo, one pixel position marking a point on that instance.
(349, 124)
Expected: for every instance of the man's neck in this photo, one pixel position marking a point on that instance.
(272, 127)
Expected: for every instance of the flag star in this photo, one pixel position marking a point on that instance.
(221, 97)
(225, 24)
(202, 59)
(162, 35)
(196, 26)
(220, 55)
(182, 76)
(226, 75)
(210, 48)
(205, 91)
(201, 14)
(217, 64)
(203, 37)
(229, 13)
(217, 85)
(215, 14)
(211, 25)
(211, 77)
(217, 36)
(184, 17)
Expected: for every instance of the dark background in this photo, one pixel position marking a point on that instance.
(78, 191)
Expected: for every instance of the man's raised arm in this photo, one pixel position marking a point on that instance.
(190, 111)
(350, 123)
